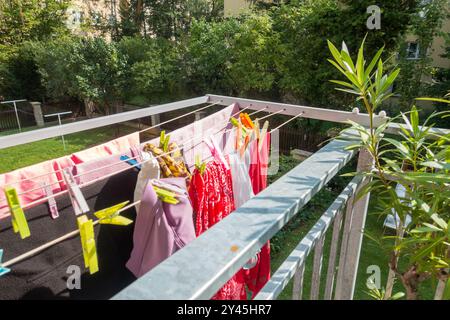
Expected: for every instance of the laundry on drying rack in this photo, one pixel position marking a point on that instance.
(170, 201)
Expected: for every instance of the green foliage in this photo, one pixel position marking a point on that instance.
(28, 20)
(303, 27)
(154, 68)
(419, 162)
(87, 69)
(425, 26)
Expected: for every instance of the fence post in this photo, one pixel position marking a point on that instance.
(37, 111)
(355, 220)
(155, 119)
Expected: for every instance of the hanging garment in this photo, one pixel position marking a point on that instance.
(190, 136)
(150, 170)
(242, 185)
(94, 169)
(171, 164)
(258, 276)
(160, 229)
(44, 275)
(211, 194)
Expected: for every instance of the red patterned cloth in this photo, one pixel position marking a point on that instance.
(258, 276)
(211, 194)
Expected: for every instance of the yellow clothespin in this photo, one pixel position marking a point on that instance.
(87, 236)
(263, 135)
(110, 215)
(19, 221)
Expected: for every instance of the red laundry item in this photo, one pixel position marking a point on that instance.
(211, 194)
(258, 276)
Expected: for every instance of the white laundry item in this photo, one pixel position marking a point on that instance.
(149, 170)
(242, 185)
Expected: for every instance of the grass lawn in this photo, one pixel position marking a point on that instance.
(31, 153)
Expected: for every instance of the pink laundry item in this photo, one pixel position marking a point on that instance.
(51, 171)
(117, 146)
(27, 183)
(160, 228)
(94, 169)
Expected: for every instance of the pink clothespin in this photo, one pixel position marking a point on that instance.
(51, 200)
(78, 201)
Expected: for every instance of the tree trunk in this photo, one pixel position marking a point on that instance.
(89, 107)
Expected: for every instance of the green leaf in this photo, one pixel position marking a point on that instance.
(400, 147)
(439, 221)
(335, 52)
(374, 62)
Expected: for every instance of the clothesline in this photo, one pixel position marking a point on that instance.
(155, 126)
(114, 164)
(41, 200)
(76, 232)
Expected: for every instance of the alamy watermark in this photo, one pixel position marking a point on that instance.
(374, 280)
(74, 279)
(374, 21)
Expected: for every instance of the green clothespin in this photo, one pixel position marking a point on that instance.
(3, 270)
(164, 141)
(19, 221)
(201, 166)
(111, 216)
(166, 196)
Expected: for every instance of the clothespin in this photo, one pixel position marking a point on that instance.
(263, 135)
(164, 141)
(257, 133)
(19, 221)
(78, 201)
(52, 206)
(178, 191)
(165, 196)
(87, 236)
(201, 166)
(246, 121)
(236, 123)
(3, 270)
(131, 162)
(111, 216)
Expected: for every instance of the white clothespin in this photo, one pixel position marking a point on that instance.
(51, 200)
(78, 201)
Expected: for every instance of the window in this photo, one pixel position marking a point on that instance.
(412, 51)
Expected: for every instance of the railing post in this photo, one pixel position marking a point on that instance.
(355, 220)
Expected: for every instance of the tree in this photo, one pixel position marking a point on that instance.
(24, 20)
(88, 69)
(303, 27)
(418, 161)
